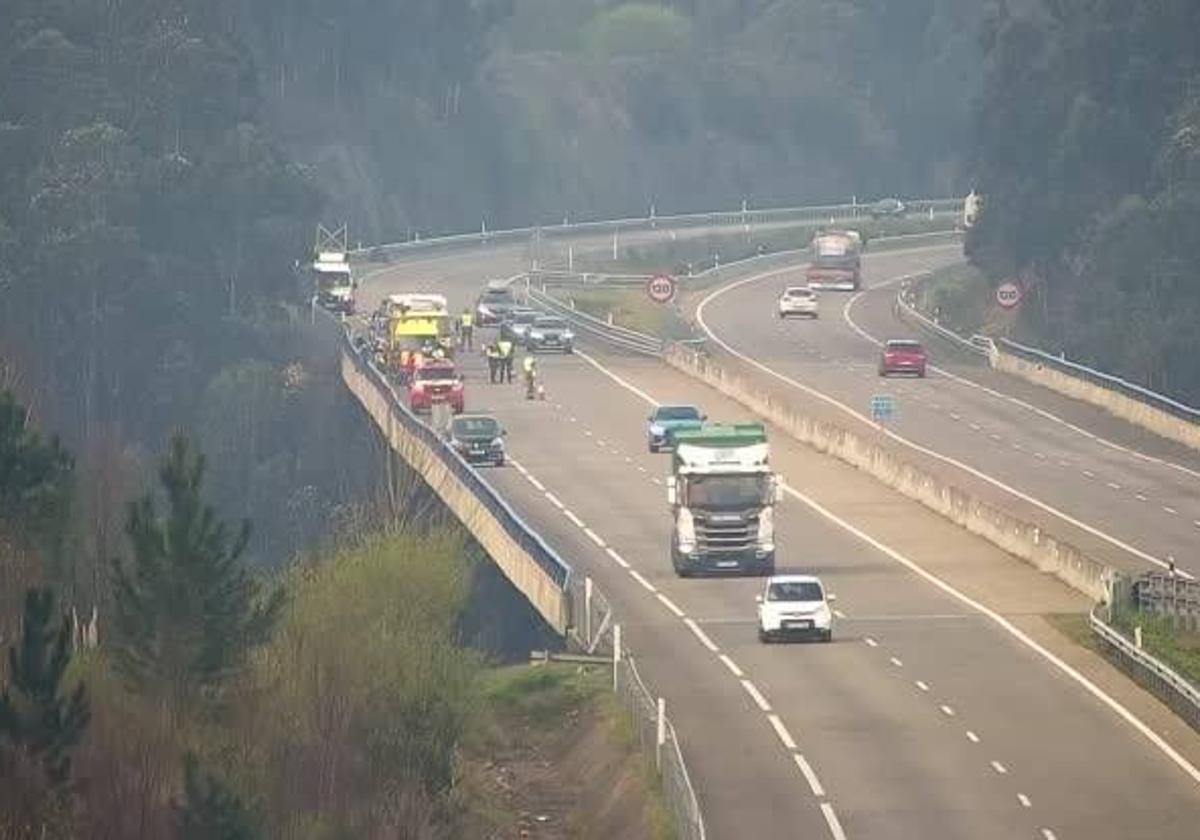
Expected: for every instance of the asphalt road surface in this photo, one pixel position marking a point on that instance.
(946, 706)
(1118, 492)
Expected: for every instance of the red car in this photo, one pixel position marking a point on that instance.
(436, 381)
(902, 355)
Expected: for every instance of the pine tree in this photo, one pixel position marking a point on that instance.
(187, 610)
(35, 716)
(210, 811)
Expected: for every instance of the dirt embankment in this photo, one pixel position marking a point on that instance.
(554, 759)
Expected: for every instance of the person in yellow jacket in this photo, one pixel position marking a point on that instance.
(505, 347)
(493, 360)
(466, 329)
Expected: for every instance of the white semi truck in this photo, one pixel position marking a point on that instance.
(722, 493)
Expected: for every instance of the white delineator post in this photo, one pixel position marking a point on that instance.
(662, 733)
(587, 611)
(615, 245)
(616, 654)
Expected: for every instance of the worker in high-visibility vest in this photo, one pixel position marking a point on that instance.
(466, 328)
(506, 359)
(493, 360)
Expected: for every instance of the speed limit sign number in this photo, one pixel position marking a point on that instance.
(661, 288)
(1008, 295)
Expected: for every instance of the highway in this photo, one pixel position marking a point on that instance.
(946, 707)
(1121, 494)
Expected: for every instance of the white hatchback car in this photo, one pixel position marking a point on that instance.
(794, 606)
(798, 300)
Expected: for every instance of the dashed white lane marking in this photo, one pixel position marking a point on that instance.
(994, 436)
(1089, 474)
(1024, 800)
(975, 427)
(1139, 497)
(1039, 456)
(552, 499)
(999, 768)
(641, 468)
(628, 460)
(810, 776)
(647, 585)
(871, 642)
(999, 620)
(839, 613)
(897, 662)
(700, 634)
(520, 467)
(947, 711)
(954, 416)
(671, 605)
(574, 420)
(835, 827)
(594, 537)
(1018, 447)
(537, 484)
(587, 432)
(756, 695)
(1112, 485)
(656, 480)
(1170, 510)
(575, 520)
(972, 737)
(600, 442)
(617, 558)
(782, 732)
(732, 666)
(1064, 463)
(921, 684)
(1047, 834)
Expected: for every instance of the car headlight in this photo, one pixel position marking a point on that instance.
(686, 531)
(568, 335)
(537, 335)
(766, 526)
(657, 430)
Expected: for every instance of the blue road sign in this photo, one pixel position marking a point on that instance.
(883, 408)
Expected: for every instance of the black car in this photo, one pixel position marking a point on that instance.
(888, 208)
(550, 333)
(516, 325)
(494, 305)
(478, 438)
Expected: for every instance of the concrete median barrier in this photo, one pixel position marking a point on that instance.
(1012, 534)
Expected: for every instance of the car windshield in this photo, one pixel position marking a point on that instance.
(523, 317)
(799, 293)
(903, 347)
(550, 323)
(475, 427)
(795, 591)
(677, 412)
(497, 296)
(727, 492)
(435, 372)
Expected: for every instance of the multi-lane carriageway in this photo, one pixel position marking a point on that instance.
(946, 707)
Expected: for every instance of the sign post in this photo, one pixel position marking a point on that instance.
(661, 288)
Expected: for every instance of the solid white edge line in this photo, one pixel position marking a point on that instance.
(732, 666)
(1086, 684)
(647, 585)
(835, 827)
(810, 776)
(756, 695)
(924, 450)
(1090, 687)
(671, 605)
(700, 634)
(617, 558)
(782, 731)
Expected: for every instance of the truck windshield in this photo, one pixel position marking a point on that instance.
(677, 412)
(727, 492)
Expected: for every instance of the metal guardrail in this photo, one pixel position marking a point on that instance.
(823, 213)
(906, 307)
(529, 540)
(1104, 380)
(626, 339)
(1166, 684)
(598, 632)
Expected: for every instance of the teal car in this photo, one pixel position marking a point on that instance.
(668, 419)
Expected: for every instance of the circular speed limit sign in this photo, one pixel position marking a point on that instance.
(1008, 295)
(661, 288)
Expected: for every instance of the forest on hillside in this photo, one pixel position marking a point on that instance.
(1088, 155)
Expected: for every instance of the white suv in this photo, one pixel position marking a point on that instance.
(794, 606)
(798, 300)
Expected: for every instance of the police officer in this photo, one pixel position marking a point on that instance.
(505, 347)
(493, 360)
(466, 328)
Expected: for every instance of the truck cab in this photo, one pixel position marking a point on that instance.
(722, 493)
(334, 286)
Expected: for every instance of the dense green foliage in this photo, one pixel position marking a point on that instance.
(187, 611)
(1088, 154)
(35, 480)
